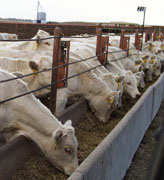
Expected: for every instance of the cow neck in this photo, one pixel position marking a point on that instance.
(34, 114)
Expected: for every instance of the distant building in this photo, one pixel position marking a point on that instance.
(41, 15)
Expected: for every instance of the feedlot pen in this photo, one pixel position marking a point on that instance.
(90, 132)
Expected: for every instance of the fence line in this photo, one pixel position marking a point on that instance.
(15, 97)
(58, 66)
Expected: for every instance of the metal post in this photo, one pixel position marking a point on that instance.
(143, 27)
(122, 39)
(56, 48)
(98, 44)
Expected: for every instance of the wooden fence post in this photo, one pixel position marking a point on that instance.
(56, 48)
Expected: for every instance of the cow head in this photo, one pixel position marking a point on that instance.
(145, 63)
(43, 78)
(156, 68)
(104, 105)
(63, 151)
(130, 84)
(140, 79)
(43, 44)
(13, 36)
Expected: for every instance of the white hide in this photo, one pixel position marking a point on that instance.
(129, 82)
(36, 81)
(28, 116)
(8, 36)
(30, 45)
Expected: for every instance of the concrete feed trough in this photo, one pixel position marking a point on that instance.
(112, 157)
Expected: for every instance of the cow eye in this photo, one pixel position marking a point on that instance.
(128, 83)
(47, 43)
(68, 150)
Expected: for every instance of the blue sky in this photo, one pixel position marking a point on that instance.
(86, 10)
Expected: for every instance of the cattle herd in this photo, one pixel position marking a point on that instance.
(103, 88)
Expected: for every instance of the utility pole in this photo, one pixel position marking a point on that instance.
(141, 8)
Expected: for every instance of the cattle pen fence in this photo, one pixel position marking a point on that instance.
(112, 157)
(61, 62)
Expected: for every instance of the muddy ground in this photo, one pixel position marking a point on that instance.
(90, 132)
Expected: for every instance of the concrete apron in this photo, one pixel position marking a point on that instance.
(14, 154)
(113, 156)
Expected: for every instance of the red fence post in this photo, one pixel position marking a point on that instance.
(137, 43)
(98, 43)
(122, 39)
(124, 42)
(154, 36)
(147, 36)
(56, 48)
(102, 47)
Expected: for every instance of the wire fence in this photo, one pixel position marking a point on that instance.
(41, 39)
(49, 85)
(59, 66)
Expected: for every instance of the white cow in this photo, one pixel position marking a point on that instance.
(130, 80)
(42, 79)
(31, 45)
(36, 81)
(29, 117)
(26, 66)
(102, 100)
(8, 36)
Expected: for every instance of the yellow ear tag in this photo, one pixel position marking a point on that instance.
(152, 61)
(138, 84)
(34, 70)
(111, 100)
(119, 84)
(145, 61)
(162, 47)
(159, 36)
(37, 44)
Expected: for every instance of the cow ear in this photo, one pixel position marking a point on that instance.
(111, 96)
(137, 74)
(138, 62)
(58, 135)
(34, 66)
(138, 78)
(119, 79)
(17, 73)
(68, 123)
